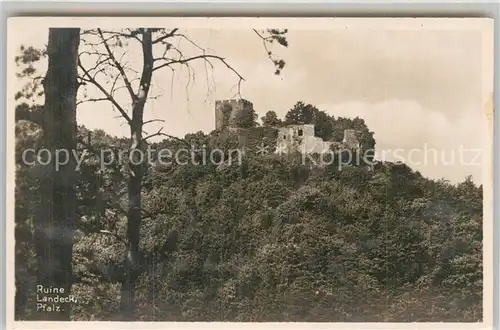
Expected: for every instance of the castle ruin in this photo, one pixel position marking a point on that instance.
(290, 138)
(302, 138)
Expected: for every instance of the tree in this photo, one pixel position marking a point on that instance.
(270, 239)
(28, 135)
(365, 136)
(323, 126)
(330, 128)
(267, 236)
(55, 219)
(102, 46)
(271, 119)
(300, 114)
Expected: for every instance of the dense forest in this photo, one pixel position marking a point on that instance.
(269, 239)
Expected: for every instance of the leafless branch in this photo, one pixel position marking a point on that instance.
(205, 57)
(153, 121)
(92, 100)
(98, 66)
(113, 90)
(118, 66)
(206, 63)
(93, 53)
(160, 133)
(168, 35)
(105, 92)
(183, 36)
(166, 60)
(121, 34)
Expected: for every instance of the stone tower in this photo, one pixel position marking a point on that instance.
(226, 111)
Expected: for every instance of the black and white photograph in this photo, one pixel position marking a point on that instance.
(249, 170)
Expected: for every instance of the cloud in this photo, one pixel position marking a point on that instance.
(405, 130)
(439, 69)
(431, 80)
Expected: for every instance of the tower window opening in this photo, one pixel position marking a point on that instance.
(301, 132)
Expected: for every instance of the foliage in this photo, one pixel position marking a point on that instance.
(246, 118)
(274, 240)
(271, 119)
(262, 238)
(327, 127)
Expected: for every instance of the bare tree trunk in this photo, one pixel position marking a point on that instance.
(138, 160)
(137, 166)
(55, 223)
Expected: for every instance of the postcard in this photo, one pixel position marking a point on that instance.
(214, 172)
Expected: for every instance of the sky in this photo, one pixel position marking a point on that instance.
(421, 90)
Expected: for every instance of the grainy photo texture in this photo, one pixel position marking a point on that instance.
(249, 174)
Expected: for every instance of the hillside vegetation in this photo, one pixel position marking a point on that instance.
(270, 239)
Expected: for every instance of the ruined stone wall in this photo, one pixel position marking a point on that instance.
(301, 138)
(290, 138)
